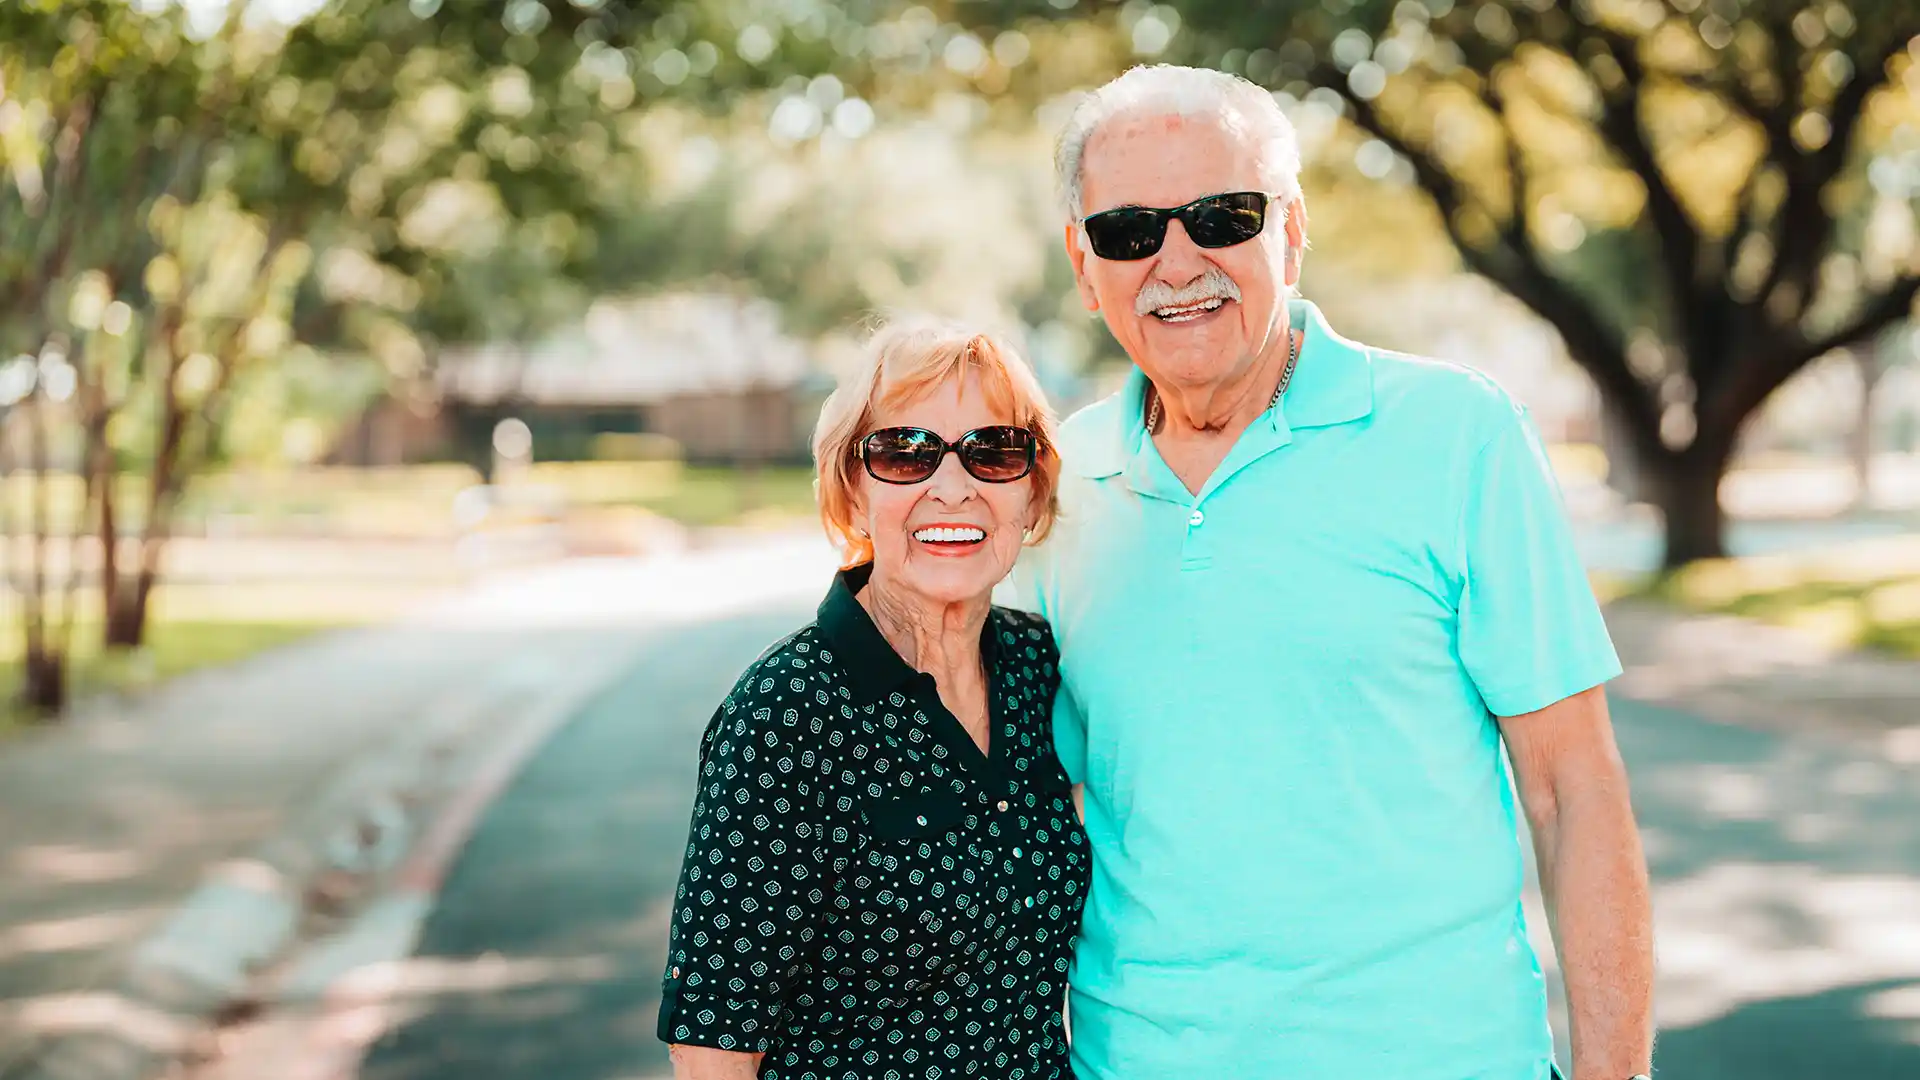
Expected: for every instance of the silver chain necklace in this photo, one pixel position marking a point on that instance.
(1286, 376)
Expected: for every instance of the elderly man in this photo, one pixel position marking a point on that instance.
(1303, 590)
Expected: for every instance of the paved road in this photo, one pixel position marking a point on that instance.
(552, 927)
(1787, 896)
(1632, 544)
(1787, 876)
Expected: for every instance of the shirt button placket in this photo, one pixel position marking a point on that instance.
(1196, 552)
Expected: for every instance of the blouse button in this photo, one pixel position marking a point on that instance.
(922, 819)
(676, 973)
(1002, 805)
(1016, 853)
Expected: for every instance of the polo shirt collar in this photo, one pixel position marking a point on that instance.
(1332, 384)
(873, 666)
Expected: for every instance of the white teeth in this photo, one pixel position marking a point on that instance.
(954, 536)
(1186, 312)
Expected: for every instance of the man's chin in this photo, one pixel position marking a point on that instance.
(1198, 359)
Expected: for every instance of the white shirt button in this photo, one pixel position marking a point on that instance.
(1002, 804)
(1196, 518)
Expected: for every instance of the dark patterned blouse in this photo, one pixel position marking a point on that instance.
(865, 895)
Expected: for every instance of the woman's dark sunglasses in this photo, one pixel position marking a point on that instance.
(908, 455)
(1136, 232)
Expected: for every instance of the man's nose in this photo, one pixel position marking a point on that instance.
(1179, 260)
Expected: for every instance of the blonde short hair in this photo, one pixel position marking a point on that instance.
(902, 361)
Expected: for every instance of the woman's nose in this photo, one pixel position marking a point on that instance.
(950, 482)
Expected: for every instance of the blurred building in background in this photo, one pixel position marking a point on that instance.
(711, 378)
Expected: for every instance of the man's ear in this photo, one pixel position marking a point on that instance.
(1077, 252)
(1296, 240)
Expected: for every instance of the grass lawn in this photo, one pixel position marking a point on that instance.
(207, 624)
(418, 500)
(195, 627)
(175, 647)
(1865, 595)
(716, 496)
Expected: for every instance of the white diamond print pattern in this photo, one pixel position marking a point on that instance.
(934, 947)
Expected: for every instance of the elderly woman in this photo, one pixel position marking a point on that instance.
(885, 873)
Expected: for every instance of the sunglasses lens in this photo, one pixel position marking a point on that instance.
(1127, 233)
(998, 455)
(1227, 220)
(903, 455)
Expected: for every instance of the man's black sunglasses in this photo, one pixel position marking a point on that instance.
(908, 455)
(1136, 232)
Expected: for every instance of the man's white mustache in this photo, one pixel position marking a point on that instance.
(1212, 285)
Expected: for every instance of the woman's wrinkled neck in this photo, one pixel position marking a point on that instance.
(933, 636)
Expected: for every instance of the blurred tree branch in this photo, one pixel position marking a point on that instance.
(420, 174)
(1737, 143)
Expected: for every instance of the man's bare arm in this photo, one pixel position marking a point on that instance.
(1593, 873)
(706, 1063)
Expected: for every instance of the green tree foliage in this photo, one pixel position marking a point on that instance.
(182, 204)
(1676, 185)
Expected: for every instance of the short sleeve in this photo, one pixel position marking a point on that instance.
(1070, 734)
(751, 883)
(1026, 589)
(1530, 632)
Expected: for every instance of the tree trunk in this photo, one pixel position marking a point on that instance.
(109, 534)
(43, 681)
(95, 466)
(1686, 488)
(43, 667)
(1623, 464)
(127, 623)
(1866, 355)
(127, 620)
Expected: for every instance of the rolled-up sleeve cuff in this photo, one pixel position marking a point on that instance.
(722, 1022)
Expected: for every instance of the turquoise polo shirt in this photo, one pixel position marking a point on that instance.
(1280, 695)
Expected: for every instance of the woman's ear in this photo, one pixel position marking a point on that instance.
(857, 514)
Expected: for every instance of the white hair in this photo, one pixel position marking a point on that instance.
(1172, 90)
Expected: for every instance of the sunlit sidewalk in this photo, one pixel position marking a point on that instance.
(1778, 781)
(1777, 784)
(252, 777)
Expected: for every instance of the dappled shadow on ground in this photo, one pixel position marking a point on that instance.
(1787, 892)
(1709, 794)
(110, 820)
(1771, 678)
(1787, 899)
(544, 956)
(1869, 1031)
(113, 818)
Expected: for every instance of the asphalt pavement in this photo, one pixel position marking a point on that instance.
(1786, 867)
(548, 941)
